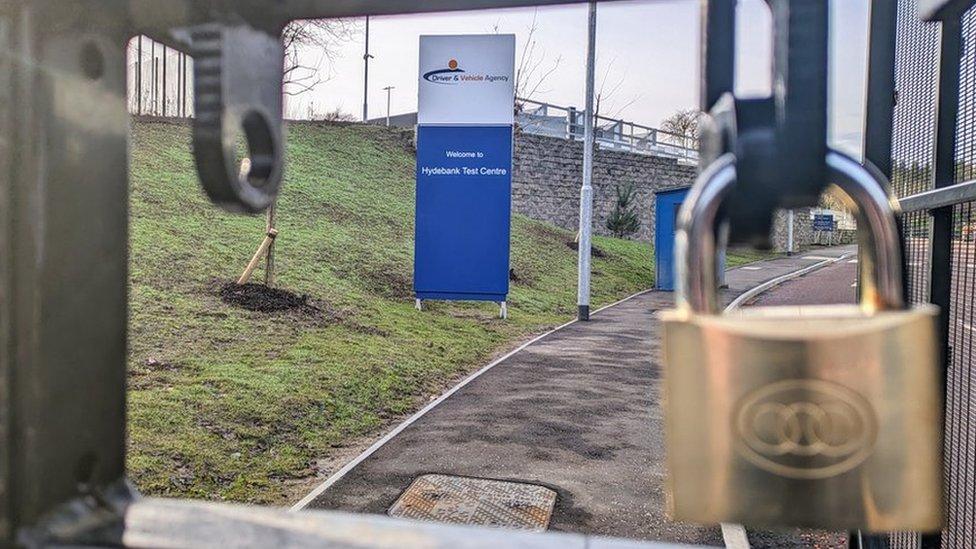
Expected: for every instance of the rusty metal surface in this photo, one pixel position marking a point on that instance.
(478, 501)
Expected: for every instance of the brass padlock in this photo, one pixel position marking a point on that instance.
(825, 417)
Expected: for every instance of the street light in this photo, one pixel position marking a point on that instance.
(366, 58)
(388, 89)
(586, 191)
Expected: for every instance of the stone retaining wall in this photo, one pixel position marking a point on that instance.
(547, 175)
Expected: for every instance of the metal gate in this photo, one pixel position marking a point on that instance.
(930, 152)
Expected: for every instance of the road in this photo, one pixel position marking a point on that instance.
(829, 285)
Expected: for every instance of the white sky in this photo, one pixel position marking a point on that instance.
(651, 47)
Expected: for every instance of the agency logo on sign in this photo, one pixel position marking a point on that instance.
(444, 76)
(466, 79)
(454, 74)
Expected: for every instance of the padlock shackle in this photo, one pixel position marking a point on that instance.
(880, 212)
(696, 240)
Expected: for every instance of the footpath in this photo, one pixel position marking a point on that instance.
(577, 411)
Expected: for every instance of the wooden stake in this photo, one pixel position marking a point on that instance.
(262, 249)
(269, 257)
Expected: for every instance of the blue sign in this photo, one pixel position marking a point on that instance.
(464, 188)
(823, 222)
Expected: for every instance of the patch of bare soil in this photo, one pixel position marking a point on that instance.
(596, 252)
(387, 281)
(546, 232)
(261, 298)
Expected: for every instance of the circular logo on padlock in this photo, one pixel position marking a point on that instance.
(805, 428)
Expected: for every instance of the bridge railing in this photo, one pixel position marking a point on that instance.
(540, 118)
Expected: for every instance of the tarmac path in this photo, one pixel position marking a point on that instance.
(578, 411)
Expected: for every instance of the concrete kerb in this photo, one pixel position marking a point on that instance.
(752, 293)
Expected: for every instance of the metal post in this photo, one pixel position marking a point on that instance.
(943, 175)
(879, 104)
(181, 82)
(185, 85)
(789, 233)
(366, 57)
(879, 114)
(586, 191)
(63, 276)
(155, 87)
(717, 68)
(139, 78)
(164, 79)
(186, 73)
(388, 89)
(723, 238)
(152, 87)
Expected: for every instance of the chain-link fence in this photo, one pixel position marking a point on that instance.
(940, 228)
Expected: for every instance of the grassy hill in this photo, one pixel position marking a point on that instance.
(227, 403)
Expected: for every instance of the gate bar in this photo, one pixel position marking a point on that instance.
(940, 198)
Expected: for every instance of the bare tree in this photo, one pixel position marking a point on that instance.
(683, 123)
(323, 35)
(607, 90)
(534, 68)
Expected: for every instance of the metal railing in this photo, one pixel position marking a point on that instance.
(539, 118)
(159, 79)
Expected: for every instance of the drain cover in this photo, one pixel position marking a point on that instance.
(486, 502)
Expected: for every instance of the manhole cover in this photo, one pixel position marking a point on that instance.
(466, 500)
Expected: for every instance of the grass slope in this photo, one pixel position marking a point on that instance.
(231, 404)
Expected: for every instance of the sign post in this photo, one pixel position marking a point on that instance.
(789, 232)
(464, 168)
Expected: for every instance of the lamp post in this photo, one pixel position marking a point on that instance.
(586, 191)
(366, 58)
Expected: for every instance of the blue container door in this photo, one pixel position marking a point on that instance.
(666, 208)
(464, 187)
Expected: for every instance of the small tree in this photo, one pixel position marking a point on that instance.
(623, 220)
